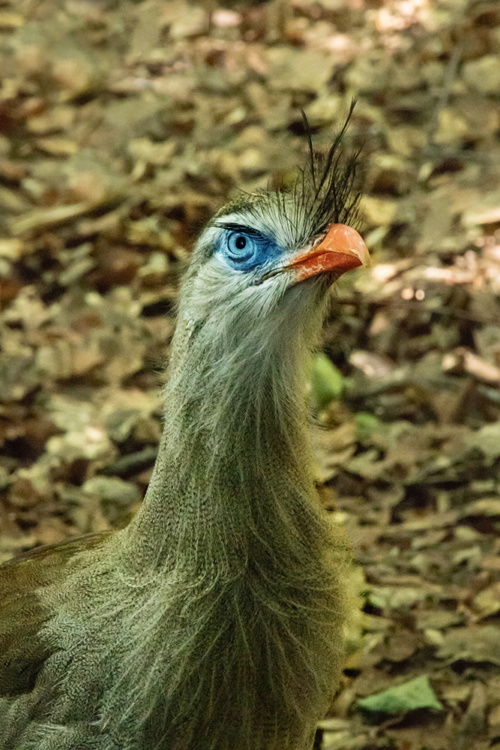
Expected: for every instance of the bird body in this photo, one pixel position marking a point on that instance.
(215, 619)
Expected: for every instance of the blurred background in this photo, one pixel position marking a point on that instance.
(123, 127)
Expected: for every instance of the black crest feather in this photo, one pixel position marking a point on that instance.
(325, 190)
(324, 193)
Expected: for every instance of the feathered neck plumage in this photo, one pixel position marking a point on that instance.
(232, 539)
(235, 451)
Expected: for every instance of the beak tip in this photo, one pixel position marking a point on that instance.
(362, 252)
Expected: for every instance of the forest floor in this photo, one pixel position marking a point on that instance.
(123, 126)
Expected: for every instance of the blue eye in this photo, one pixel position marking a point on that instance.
(241, 247)
(246, 249)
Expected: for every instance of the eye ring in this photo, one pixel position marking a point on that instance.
(240, 247)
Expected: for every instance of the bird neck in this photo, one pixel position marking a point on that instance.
(229, 582)
(234, 469)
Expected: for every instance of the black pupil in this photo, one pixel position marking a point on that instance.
(240, 242)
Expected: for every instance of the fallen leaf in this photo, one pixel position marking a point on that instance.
(409, 696)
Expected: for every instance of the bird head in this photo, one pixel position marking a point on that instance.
(268, 258)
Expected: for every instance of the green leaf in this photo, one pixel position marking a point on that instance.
(327, 382)
(366, 424)
(409, 696)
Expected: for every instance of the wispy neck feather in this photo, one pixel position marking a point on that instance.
(217, 616)
(236, 433)
(251, 595)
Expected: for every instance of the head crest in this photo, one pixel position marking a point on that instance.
(325, 190)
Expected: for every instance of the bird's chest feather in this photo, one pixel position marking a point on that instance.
(224, 662)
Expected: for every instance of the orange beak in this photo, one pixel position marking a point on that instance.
(341, 250)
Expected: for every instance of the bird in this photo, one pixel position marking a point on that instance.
(214, 620)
